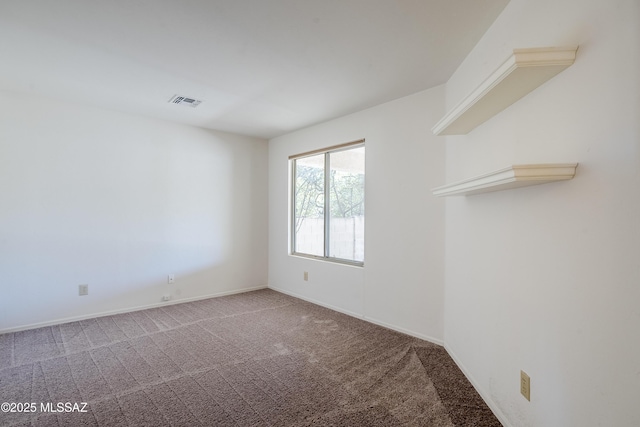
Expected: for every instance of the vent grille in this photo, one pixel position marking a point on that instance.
(183, 100)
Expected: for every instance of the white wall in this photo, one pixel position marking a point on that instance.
(401, 284)
(547, 279)
(118, 202)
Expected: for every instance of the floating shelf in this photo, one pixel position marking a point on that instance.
(511, 177)
(524, 71)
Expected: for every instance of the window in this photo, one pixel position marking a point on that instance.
(327, 219)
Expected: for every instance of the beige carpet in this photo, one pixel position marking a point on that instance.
(255, 359)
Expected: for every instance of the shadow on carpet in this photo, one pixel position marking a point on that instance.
(255, 359)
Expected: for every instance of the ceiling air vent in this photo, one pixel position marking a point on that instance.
(183, 100)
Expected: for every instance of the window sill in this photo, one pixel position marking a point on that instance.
(329, 260)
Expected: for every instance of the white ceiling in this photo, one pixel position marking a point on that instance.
(261, 67)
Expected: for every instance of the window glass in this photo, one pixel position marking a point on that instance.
(328, 204)
(309, 205)
(346, 204)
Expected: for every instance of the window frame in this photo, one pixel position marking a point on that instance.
(326, 214)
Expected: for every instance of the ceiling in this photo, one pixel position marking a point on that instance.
(261, 67)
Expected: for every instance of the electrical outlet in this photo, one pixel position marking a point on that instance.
(171, 278)
(525, 385)
(83, 290)
(306, 276)
(166, 297)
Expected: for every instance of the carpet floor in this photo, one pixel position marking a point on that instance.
(260, 358)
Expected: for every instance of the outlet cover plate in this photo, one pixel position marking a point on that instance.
(525, 385)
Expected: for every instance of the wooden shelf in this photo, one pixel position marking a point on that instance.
(511, 177)
(521, 73)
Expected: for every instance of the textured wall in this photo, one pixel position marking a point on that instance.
(91, 196)
(401, 284)
(545, 278)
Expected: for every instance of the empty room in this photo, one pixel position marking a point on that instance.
(301, 212)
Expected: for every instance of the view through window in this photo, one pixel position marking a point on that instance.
(328, 203)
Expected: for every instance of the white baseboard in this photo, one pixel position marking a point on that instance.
(322, 304)
(126, 310)
(360, 316)
(490, 403)
(404, 331)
